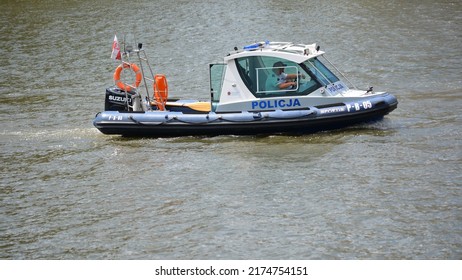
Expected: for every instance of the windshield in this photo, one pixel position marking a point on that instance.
(320, 71)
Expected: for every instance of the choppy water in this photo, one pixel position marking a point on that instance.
(389, 190)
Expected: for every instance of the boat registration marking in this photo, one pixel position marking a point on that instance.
(359, 106)
(114, 118)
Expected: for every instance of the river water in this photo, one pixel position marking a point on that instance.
(388, 190)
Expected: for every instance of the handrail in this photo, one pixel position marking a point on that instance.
(339, 71)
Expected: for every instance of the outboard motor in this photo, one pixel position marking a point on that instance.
(118, 100)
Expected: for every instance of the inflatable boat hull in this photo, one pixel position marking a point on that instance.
(293, 122)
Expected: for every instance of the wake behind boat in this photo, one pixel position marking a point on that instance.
(264, 88)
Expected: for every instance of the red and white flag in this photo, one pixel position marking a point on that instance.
(115, 49)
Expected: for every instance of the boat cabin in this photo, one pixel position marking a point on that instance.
(270, 76)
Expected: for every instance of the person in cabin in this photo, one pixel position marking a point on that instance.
(281, 80)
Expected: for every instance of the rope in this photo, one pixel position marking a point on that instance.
(257, 118)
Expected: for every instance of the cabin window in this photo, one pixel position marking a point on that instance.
(262, 76)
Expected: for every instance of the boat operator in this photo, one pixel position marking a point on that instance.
(281, 80)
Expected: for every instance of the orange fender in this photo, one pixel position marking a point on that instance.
(160, 91)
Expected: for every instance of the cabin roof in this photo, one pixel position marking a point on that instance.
(287, 50)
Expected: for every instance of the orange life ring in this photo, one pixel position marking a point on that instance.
(160, 91)
(120, 84)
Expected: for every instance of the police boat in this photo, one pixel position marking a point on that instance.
(263, 88)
